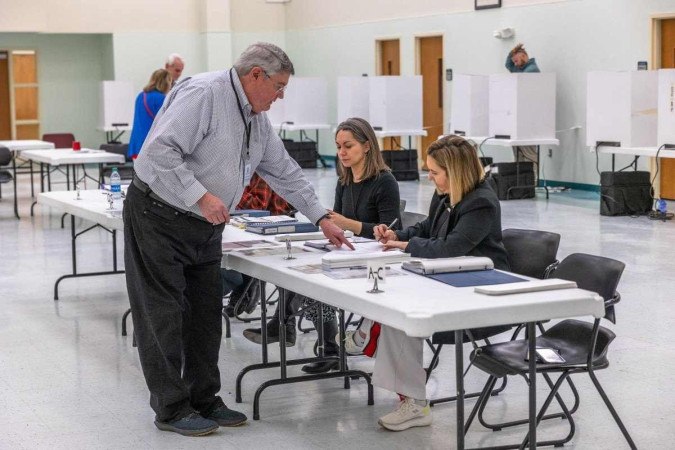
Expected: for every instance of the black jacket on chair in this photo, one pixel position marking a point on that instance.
(473, 227)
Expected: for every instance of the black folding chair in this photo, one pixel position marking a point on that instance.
(531, 253)
(582, 345)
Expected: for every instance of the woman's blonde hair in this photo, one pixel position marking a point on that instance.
(363, 133)
(460, 161)
(161, 80)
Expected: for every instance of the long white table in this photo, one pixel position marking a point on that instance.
(634, 151)
(283, 127)
(420, 307)
(69, 158)
(511, 143)
(417, 305)
(93, 206)
(16, 147)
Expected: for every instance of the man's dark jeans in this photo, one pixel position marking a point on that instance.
(172, 264)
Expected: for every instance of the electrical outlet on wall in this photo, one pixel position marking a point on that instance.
(550, 153)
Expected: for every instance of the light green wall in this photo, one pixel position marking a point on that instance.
(138, 54)
(218, 50)
(69, 70)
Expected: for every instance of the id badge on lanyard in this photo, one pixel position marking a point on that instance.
(248, 173)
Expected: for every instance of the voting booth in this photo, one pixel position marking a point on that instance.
(470, 105)
(395, 109)
(622, 108)
(522, 106)
(353, 98)
(666, 107)
(304, 107)
(395, 103)
(116, 104)
(305, 103)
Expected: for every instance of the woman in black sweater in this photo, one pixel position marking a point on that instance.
(366, 194)
(464, 219)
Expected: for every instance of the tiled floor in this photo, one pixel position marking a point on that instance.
(69, 380)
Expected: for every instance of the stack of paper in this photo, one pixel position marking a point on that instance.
(445, 265)
(344, 257)
(263, 220)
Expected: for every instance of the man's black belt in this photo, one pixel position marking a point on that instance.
(145, 189)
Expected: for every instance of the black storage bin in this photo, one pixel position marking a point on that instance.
(304, 152)
(513, 181)
(485, 160)
(403, 164)
(625, 193)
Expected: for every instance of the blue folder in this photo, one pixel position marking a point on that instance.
(250, 212)
(475, 278)
(281, 228)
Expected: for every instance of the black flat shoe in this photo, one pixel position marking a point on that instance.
(321, 366)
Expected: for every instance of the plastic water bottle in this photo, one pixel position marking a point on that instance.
(662, 206)
(115, 184)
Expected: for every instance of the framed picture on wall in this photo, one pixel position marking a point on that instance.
(487, 4)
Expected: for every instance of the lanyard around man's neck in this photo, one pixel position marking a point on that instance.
(247, 126)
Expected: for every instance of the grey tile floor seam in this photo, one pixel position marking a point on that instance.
(68, 379)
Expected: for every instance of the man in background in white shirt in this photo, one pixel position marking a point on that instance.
(175, 65)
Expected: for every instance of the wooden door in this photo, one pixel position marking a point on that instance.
(390, 64)
(667, 165)
(5, 109)
(25, 86)
(431, 69)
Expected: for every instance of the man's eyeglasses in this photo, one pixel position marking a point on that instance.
(279, 87)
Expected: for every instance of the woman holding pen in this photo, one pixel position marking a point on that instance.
(464, 219)
(366, 194)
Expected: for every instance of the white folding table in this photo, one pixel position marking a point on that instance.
(92, 206)
(16, 147)
(302, 128)
(69, 158)
(634, 151)
(412, 152)
(480, 140)
(436, 307)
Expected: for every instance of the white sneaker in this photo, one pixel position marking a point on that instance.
(408, 414)
(351, 347)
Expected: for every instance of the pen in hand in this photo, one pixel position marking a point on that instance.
(389, 227)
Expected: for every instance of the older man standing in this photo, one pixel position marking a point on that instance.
(175, 65)
(204, 146)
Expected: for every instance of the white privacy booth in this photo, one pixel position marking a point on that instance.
(305, 104)
(470, 105)
(522, 106)
(116, 108)
(303, 108)
(666, 108)
(353, 98)
(395, 103)
(621, 108)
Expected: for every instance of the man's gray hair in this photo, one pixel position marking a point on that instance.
(172, 58)
(268, 57)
